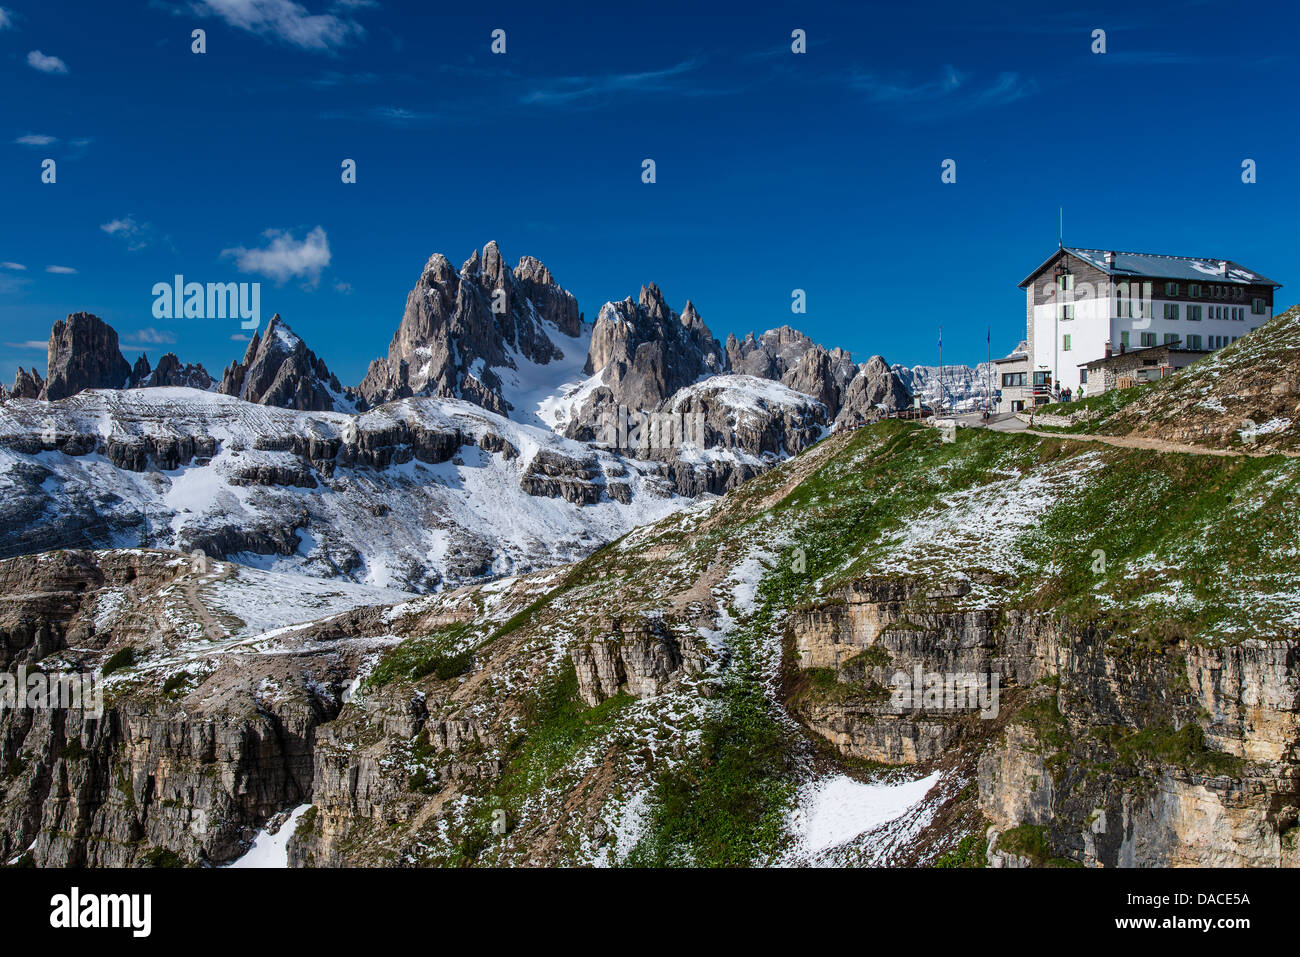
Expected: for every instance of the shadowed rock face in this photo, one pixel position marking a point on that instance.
(823, 374)
(84, 355)
(458, 328)
(279, 369)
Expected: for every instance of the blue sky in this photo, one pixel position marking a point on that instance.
(775, 171)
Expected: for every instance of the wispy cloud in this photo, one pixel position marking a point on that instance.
(1172, 58)
(46, 64)
(18, 267)
(290, 22)
(333, 78)
(951, 91)
(150, 336)
(61, 270)
(592, 89)
(29, 344)
(36, 139)
(400, 116)
(6, 19)
(285, 258)
(134, 234)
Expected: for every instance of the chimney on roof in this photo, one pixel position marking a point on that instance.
(1223, 267)
(1110, 257)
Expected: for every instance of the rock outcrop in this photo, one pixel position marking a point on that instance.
(165, 777)
(637, 656)
(279, 369)
(84, 354)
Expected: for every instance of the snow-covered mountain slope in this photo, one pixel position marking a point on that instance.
(415, 494)
(536, 391)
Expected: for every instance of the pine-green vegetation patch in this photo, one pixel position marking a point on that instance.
(1030, 841)
(1183, 747)
(440, 654)
(120, 659)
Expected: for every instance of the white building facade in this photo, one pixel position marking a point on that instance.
(1086, 304)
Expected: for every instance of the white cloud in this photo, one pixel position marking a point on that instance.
(61, 270)
(240, 337)
(150, 336)
(284, 257)
(46, 64)
(29, 344)
(36, 139)
(287, 21)
(6, 18)
(18, 266)
(135, 234)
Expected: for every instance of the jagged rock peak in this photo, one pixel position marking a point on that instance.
(27, 385)
(170, 372)
(458, 328)
(278, 369)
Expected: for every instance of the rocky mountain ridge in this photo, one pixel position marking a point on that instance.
(510, 341)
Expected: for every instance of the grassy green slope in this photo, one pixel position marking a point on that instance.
(1195, 547)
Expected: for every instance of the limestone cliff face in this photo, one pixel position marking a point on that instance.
(27, 385)
(790, 357)
(191, 776)
(636, 656)
(1189, 756)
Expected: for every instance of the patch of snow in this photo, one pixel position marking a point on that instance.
(272, 850)
(840, 809)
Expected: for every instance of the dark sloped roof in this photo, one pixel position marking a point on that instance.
(1157, 266)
